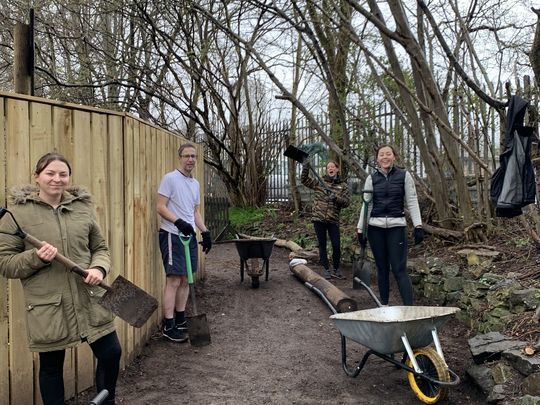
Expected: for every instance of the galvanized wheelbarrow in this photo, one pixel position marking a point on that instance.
(388, 330)
(254, 249)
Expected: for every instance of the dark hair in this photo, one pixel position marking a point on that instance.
(47, 159)
(385, 145)
(185, 146)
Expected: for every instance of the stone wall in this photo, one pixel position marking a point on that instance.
(506, 370)
(489, 301)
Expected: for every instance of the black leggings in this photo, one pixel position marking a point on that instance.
(51, 366)
(333, 231)
(389, 247)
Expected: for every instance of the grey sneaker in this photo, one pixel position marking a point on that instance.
(338, 274)
(327, 274)
(174, 334)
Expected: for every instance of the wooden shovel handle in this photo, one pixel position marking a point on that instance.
(71, 265)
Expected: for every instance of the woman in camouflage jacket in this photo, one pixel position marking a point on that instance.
(330, 197)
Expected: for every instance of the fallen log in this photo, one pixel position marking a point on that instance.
(339, 300)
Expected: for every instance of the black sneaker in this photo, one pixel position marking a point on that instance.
(338, 274)
(327, 274)
(175, 334)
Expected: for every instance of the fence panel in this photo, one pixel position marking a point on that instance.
(4, 315)
(120, 160)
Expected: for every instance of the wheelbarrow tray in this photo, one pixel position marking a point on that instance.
(254, 248)
(381, 329)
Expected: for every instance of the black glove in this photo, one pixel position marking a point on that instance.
(206, 241)
(305, 164)
(332, 196)
(362, 240)
(418, 235)
(184, 227)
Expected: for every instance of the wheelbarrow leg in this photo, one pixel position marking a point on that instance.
(241, 270)
(267, 264)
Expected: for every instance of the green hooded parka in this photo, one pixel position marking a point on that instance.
(61, 309)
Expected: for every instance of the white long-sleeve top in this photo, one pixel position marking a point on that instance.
(410, 201)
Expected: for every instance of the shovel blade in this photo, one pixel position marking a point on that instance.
(198, 331)
(296, 154)
(362, 271)
(129, 302)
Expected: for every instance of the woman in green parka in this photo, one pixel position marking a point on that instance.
(62, 308)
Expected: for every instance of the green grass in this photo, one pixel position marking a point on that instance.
(244, 216)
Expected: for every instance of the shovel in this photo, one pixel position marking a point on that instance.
(300, 156)
(123, 298)
(362, 267)
(198, 331)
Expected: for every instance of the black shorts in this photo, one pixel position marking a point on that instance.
(172, 253)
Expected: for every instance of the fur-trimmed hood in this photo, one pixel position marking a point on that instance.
(21, 194)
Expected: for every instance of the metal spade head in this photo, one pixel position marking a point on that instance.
(362, 271)
(296, 154)
(198, 331)
(129, 302)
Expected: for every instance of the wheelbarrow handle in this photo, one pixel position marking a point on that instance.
(71, 265)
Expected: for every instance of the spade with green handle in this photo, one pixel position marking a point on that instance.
(198, 331)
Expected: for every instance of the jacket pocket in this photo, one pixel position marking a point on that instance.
(45, 319)
(97, 314)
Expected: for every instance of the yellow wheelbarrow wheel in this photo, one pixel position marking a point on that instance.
(432, 365)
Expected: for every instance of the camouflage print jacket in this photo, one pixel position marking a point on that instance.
(326, 209)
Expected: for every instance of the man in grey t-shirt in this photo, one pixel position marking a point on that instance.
(178, 203)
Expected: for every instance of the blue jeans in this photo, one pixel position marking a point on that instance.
(321, 229)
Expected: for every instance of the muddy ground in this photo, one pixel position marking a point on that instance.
(274, 345)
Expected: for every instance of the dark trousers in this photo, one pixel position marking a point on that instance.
(389, 247)
(321, 229)
(51, 366)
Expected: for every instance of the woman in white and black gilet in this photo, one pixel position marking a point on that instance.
(393, 189)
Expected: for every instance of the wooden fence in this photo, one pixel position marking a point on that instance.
(121, 160)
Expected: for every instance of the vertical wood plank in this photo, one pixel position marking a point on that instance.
(40, 131)
(4, 301)
(149, 210)
(40, 143)
(154, 226)
(18, 172)
(138, 212)
(62, 132)
(82, 175)
(129, 175)
(62, 140)
(116, 209)
(100, 171)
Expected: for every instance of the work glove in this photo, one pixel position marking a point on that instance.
(332, 197)
(184, 227)
(418, 235)
(206, 242)
(362, 240)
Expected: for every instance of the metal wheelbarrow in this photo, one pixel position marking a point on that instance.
(254, 249)
(388, 330)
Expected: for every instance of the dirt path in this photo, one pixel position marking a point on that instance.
(274, 345)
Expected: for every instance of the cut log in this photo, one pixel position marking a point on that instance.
(339, 300)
